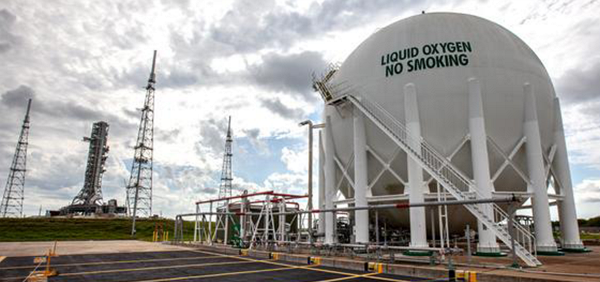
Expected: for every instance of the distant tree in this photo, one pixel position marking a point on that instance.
(592, 222)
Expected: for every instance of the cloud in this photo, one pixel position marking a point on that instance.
(275, 105)
(7, 39)
(287, 183)
(295, 160)
(258, 143)
(288, 72)
(580, 85)
(16, 100)
(249, 59)
(588, 191)
(17, 97)
(280, 26)
(213, 133)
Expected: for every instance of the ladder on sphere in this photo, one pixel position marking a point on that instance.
(441, 169)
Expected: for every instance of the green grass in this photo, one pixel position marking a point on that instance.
(590, 236)
(62, 229)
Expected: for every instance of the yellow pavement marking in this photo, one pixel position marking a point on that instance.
(370, 275)
(400, 280)
(153, 268)
(348, 277)
(391, 279)
(227, 274)
(108, 262)
(140, 269)
(2, 258)
(277, 263)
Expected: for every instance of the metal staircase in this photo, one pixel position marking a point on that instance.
(440, 168)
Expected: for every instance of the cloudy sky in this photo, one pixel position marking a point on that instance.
(85, 61)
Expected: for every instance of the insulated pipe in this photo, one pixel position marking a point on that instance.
(537, 174)
(360, 178)
(403, 205)
(329, 183)
(481, 166)
(566, 208)
(321, 186)
(418, 233)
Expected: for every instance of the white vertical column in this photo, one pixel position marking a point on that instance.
(418, 233)
(196, 225)
(537, 175)
(481, 166)
(226, 232)
(210, 231)
(321, 186)
(360, 178)
(329, 182)
(243, 218)
(282, 230)
(566, 208)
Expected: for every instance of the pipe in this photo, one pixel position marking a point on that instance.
(287, 196)
(235, 197)
(375, 207)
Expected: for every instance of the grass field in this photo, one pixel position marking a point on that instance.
(61, 229)
(590, 236)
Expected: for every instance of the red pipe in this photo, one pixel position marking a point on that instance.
(235, 197)
(286, 196)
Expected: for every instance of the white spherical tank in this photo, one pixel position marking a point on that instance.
(439, 53)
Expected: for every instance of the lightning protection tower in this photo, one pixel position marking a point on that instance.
(91, 193)
(139, 189)
(226, 174)
(14, 191)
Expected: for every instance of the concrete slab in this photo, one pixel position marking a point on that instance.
(572, 267)
(16, 249)
(190, 265)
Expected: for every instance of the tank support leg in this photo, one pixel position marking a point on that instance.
(330, 192)
(418, 233)
(481, 166)
(321, 187)
(566, 208)
(535, 165)
(360, 178)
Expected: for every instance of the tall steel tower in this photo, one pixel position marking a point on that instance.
(139, 189)
(226, 174)
(91, 193)
(14, 191)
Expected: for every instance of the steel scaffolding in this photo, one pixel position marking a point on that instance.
(14, 191)
(225, 189)
(139, 189)
(249, 220)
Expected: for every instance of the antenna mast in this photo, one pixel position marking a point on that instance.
(226, 173)
(14, 191)
(139, 189)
